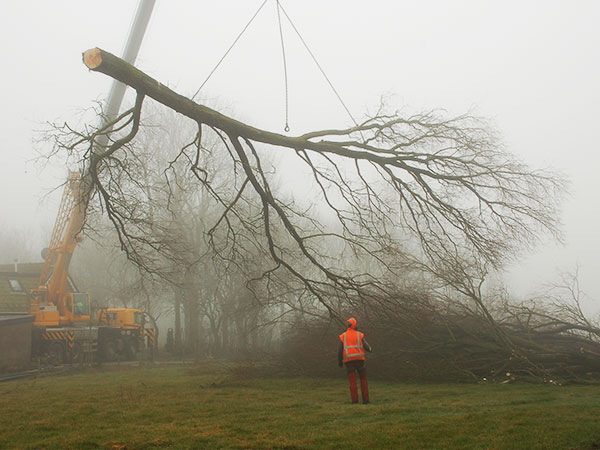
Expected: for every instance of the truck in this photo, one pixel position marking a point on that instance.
(63, 327)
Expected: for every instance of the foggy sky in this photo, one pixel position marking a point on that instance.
(532, 67)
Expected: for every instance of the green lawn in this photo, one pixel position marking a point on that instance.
(220, 407)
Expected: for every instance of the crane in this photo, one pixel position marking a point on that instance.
(62, 324)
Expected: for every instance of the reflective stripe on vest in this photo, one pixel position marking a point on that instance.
(353, 352)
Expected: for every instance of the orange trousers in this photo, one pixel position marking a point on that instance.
(351, 368)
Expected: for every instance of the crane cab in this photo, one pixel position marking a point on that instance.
(73, 308)
(124, 318)
(77, 307)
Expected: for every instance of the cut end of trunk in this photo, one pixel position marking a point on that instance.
(92, 58)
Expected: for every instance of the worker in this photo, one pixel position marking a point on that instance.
(351, 352)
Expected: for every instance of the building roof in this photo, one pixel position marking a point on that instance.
(15, 286)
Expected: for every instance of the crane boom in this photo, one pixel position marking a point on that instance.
(51, 304)
(65, 236)
(130, 52)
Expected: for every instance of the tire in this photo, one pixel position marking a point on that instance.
(56, 354)
(76, 353)
(130, 349)
(109, 350)
(121, 348)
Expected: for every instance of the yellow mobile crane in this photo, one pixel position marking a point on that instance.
(63, 327)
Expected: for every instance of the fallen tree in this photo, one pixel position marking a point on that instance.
(423, 192)
(444, 181)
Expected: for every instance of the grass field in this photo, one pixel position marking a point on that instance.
(225, 406)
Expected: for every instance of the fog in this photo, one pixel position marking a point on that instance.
(531, 67)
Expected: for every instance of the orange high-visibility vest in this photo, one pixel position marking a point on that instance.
(353, 345)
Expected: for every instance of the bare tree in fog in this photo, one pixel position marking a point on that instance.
(16, 245)
(219, 310)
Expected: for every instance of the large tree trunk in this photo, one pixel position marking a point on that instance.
(177, 323)
(104, 62)
(192, 314)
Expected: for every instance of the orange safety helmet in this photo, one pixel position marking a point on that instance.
(351, 322)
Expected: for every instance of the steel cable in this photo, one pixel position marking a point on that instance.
(230, 48)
